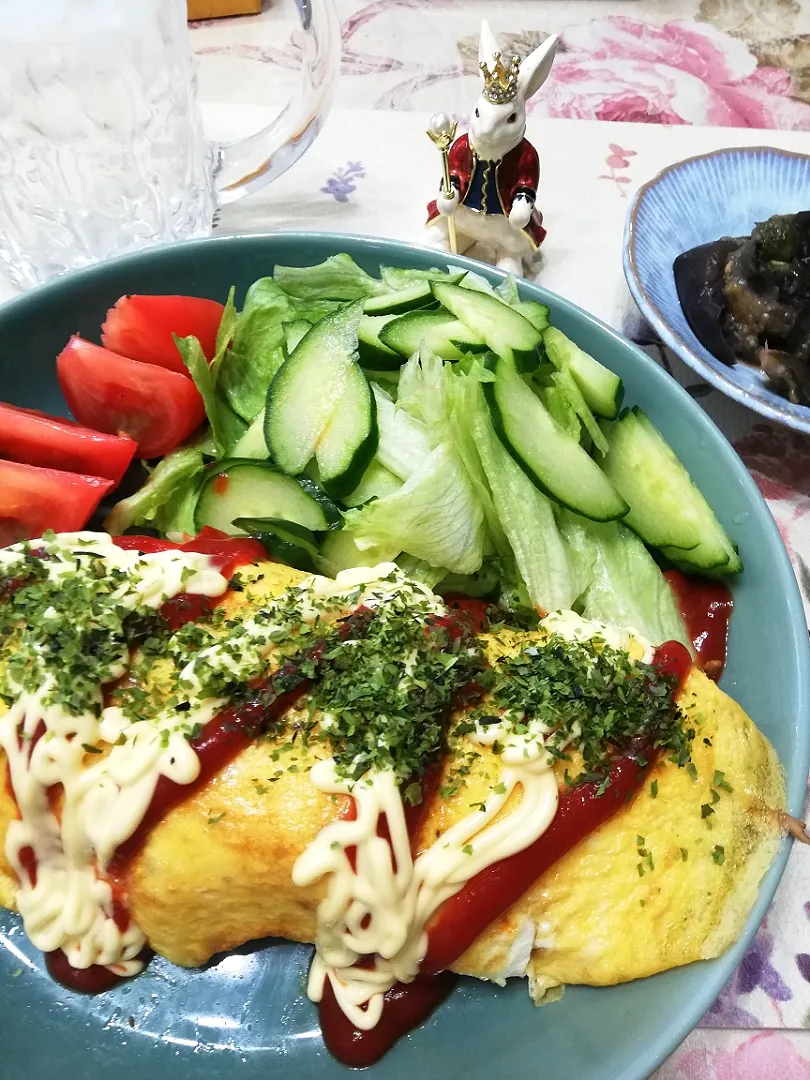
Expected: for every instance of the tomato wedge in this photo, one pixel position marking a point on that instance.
(33, 500)
(141, 328)
(156, 408)
(35, 438)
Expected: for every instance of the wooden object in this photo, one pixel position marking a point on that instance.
(216, 9)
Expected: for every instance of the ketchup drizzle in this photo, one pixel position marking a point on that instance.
(706, 608)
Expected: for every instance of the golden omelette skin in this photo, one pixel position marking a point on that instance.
(218, 870)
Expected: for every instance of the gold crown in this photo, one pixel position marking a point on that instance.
(500, 84)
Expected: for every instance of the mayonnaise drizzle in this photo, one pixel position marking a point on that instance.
(382, 906)
(71, 905)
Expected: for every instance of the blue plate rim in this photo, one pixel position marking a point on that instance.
(657, 320)
(719, 970)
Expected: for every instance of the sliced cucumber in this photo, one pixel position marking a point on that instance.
(293, 333)
(602, 389)
(537, 314)
(339, 551)
(370, 350)
(567, 384)
(557, 403)
(376, 483)
(443, 334)
(239, 489)
(286, 541)
(399, 300)
(307, 388)
(349, 441)
(252, 444)
(505, 330)
(552, 459)
(666, 509)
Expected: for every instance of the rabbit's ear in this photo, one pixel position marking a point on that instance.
(487, 45)
(535, 69)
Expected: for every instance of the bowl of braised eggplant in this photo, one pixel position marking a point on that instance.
(717, 257)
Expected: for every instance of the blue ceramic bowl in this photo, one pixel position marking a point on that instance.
(694, 202)
(246, 1015)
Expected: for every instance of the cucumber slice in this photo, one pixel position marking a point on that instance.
(439, 332)
(252, 444)
(286, 541)
(293, 333)
(537, 314)
(505, 330)
(349, 441)
(666, 509)
(602, 389)
(393, 303)
(557, 403)
(307, 388)
(239, 488)
(551, 458)
(339, 551)
(376, 483)
(370, 350)
(565, 381)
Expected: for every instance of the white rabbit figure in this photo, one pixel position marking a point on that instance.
(494, 169)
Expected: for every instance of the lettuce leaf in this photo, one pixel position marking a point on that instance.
(162, 499)
(526, 516)
(627, 587)
(403, 442)
(226, 427)
(435, 516)
(338, 278)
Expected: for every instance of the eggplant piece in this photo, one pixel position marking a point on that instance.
(700, 281)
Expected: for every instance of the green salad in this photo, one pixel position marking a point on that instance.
(429, 418)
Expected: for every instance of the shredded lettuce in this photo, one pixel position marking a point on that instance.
(338, 278)
(226, 427)
(508, 291)
(375, 483)
(435, 516)
(256, 349)
(627, 587)
(419, 570)
(403, 442)
(526, 516)
(164, 498)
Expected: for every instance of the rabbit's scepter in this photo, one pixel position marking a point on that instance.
(494, 170)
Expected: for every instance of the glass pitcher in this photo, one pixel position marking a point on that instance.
(101, 141)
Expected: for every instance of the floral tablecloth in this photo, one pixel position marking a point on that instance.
(676, 77)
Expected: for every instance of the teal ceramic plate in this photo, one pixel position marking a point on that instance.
(246, 1015)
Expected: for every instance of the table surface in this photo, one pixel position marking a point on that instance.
(636, 85)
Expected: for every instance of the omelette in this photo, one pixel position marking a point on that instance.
(323, 830)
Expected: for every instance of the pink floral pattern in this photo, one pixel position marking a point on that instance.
(765, 1056)
(619, 68)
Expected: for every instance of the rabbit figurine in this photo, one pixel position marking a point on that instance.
(494, 169)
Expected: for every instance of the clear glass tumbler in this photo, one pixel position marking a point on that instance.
(101, 142)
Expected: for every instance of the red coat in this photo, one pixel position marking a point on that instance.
(517, 173)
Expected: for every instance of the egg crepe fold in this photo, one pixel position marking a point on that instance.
(666, 881)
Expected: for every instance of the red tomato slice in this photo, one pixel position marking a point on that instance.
(141, 328)
(156, 408)
(33, 500)
(35, 438)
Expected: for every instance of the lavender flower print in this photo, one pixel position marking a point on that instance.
(755, 972)
(342, 182)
